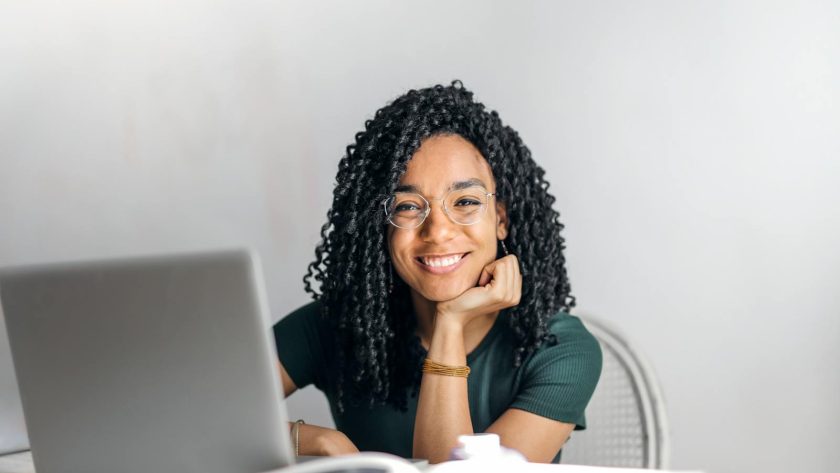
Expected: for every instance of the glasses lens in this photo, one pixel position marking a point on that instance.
(406, 210)
(465, 206)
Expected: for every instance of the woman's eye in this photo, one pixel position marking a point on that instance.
(467, 202)
(406, 208)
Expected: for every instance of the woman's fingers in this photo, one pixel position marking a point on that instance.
(505, 280)
(499, 287)
(517, 285)
(487, 274)
(513, 280)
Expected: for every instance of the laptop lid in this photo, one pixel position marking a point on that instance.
(148, 364)
(12, 429)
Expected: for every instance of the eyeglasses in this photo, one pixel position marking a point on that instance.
(465, 206)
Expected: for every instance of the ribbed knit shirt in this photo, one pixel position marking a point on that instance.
(556, 381)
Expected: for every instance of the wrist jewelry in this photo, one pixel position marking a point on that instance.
(433, 367)
(296, 435)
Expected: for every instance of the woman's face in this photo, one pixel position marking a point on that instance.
(427, 257)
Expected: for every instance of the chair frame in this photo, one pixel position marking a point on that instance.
(651, 401)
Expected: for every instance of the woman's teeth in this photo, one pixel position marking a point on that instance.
(441, 262)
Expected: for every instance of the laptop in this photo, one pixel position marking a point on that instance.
(13, 436)
(161, 364)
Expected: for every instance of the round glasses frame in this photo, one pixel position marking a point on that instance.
(428, 210)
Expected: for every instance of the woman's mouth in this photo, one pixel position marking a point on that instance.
(441, 264)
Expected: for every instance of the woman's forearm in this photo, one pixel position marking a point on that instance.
(443, 411)
(321, 441)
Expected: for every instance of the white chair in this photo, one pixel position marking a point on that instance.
(626, 423)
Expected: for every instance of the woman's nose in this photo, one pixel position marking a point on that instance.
(437, 226)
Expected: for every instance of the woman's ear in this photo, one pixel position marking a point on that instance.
(501, 221)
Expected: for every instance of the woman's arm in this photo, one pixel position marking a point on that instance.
(443, 408)
(315, 440)
(538, 438)
(321, 441)
(443, 411)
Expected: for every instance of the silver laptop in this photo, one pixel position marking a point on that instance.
(162, 364)
(12, 429)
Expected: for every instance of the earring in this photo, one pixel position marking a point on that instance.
(504, 248)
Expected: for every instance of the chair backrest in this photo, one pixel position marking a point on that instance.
(626, 423)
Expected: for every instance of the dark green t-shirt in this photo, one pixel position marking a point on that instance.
(555, 381)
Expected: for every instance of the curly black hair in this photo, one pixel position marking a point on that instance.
(378, 353)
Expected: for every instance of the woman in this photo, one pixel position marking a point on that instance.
(443, 292)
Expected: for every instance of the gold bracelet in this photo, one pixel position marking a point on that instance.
(296, 435)
(433, 367)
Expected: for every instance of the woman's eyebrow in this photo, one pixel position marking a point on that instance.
(468, 183)
(458, 185)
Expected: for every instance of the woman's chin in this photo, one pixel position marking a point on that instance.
(444, 293)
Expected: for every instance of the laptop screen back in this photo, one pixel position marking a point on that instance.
(12, 428)
(155, 364)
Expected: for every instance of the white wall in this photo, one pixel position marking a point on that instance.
(693, 148)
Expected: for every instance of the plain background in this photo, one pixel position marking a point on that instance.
(692, 146)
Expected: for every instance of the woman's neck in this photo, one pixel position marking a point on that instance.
(425, 311)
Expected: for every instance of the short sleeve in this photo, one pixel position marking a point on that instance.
(559, 379)
(301, 346)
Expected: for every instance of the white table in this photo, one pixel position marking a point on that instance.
(22, 463)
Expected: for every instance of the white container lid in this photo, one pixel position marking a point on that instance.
(480, 445)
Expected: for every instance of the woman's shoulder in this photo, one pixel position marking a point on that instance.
(307, 315)
(569, 341)
(566, 327)
(312, 308)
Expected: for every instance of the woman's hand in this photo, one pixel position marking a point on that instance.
(322, 441)
(499, 287)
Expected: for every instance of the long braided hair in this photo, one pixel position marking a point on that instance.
(378, 354)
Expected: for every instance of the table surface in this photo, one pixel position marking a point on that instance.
(22, 463)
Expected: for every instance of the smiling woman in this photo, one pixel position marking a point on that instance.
(442, 306)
